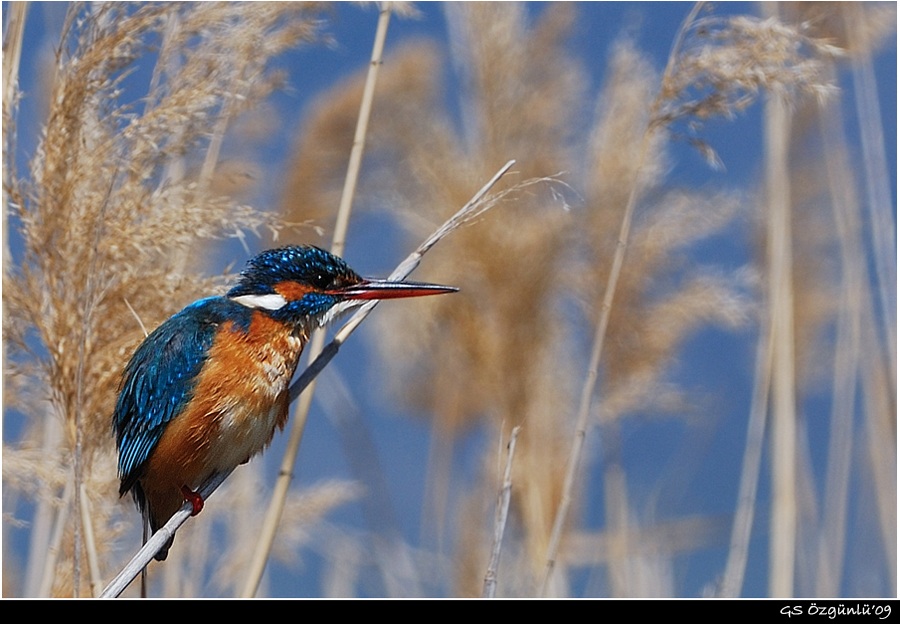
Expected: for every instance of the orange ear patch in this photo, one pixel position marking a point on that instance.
(292, 291)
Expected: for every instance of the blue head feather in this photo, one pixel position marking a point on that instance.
(304, 264)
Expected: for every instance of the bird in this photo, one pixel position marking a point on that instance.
(207, 389)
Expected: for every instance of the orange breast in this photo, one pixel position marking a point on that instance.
(240, 398)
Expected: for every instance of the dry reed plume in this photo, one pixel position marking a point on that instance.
(107, 224)
(109, 215)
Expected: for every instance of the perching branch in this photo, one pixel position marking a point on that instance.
(472, 209)
(159, 539)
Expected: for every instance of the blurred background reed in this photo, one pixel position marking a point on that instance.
(741, 436)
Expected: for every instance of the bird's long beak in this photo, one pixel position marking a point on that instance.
(383, 289)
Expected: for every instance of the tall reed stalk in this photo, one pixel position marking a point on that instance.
(314, 348)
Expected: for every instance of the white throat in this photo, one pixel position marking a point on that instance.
(338, 309)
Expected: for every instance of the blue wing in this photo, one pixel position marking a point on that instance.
(159, 380)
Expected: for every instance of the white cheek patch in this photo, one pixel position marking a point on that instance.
(272, 301)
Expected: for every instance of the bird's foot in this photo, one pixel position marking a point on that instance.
(195, 499)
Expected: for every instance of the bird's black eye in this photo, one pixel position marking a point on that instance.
(322, 281)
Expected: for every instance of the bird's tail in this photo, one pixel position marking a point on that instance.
(151, 520)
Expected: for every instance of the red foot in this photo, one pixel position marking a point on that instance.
(195, 499)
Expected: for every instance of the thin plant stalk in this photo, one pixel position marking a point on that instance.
(622, 536)
(90, 543)
(44, 518)
(880, 437)
(832, 539)
(285, 474)
(739, 546)
(12, 56)
(587, 392)
(783, 519)
(359, 138)
(214, 148)
(91, 296)
(54, 548)
(881, 222)
(878, 368)
(490, 577)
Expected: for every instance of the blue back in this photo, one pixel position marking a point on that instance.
(159, 379)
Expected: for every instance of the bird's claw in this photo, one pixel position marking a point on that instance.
(194, 498)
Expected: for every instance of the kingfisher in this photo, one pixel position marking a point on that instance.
(206, 390)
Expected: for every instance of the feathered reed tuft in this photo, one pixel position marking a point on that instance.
(112, 222)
